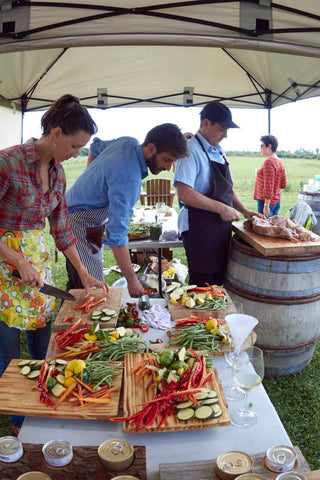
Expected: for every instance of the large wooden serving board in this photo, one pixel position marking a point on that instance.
(137, 393)
(178, 311)
(19, 396)
(67, 310)
(85, 465)
(270, 246)
(204, 470)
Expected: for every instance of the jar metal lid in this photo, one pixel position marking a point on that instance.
(116, 454)
(57, 453)
(291, 476)
(251, 476)
(11, 449)
(232, 464)
(34, 476)
(280, 458)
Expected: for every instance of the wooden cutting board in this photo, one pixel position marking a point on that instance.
(178, 311)
(113, 302)
(204, 470)
(137, 393)
(85, 465)
(270, 246)
(19, 396)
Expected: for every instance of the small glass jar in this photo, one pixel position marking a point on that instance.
(155, 231)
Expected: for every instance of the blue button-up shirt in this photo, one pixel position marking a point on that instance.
(194, 171)
(112, 180)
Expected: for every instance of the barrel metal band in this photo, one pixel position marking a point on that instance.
(262, 298)
(301, 346)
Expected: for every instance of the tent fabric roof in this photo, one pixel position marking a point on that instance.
(254, 53)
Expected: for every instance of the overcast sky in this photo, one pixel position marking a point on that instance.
(295, 125)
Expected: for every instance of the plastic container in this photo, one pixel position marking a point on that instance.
(155, 231)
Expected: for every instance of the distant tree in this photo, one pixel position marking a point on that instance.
(83, 152)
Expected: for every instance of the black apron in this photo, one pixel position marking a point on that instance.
(209, 235)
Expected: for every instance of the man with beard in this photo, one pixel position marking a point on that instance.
(101, 200)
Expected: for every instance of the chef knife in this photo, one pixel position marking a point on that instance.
(50, 290)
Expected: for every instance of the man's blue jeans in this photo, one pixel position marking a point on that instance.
(37, 341)
(274, 209)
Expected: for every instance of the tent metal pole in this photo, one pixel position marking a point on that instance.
(269, 121)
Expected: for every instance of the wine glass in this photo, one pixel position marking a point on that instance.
(230, 391)
(247, 373)
(160, 211)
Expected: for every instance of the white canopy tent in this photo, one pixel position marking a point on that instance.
(254, 53)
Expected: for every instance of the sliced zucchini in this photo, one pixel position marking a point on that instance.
(212, 394)
(25, 370)
(23, 363)
(96, 313)
(105, 319)
(200, 395)
(33, 362)
(34, 374)
(185, 414)
(216, 411)
(210, 401)
(186, 404)
(203, 413)
(109, 313)
(61, 361)
(39, 363)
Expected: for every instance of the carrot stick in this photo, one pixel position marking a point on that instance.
(96, 400)
(137, 366)
(66, 393)
(149, 382)
(83, 384)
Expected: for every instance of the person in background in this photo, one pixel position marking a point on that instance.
(107, 191)
(270, 178)
(208, 203)
(32, 188)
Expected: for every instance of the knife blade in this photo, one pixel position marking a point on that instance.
(50, 290)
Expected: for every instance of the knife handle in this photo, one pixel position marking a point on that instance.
(15, 273)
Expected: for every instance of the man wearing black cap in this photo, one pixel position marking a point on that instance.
(208, 203)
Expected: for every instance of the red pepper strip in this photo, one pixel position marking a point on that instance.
(194, 354)
(93, 304)
(208, 377)
(199, 289)
(197, 374)
(61, 335)
(167, 412)
(68, 319)
(193, 400)
(153, 414)
(204, 371)
(83, 305)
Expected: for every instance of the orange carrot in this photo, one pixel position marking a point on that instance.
(137, 366)
(87, 387)
(96, 400)
(67, 392)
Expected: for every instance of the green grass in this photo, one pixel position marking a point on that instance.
(295, 397)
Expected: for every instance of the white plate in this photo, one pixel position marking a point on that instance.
(135, 267)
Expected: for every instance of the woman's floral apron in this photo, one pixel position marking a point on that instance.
(22, 306)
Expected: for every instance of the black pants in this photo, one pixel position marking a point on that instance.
(74, 281)
(200, 279)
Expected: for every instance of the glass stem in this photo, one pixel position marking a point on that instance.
(246, 403)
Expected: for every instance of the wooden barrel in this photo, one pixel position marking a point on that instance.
(313, 200)
(283, 293)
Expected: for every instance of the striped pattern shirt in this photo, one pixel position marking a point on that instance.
(23, 205)
(271, 177)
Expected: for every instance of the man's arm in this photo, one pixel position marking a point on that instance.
(238, 205)
(191, 197)
(122, 257)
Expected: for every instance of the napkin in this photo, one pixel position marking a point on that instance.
(240, 326)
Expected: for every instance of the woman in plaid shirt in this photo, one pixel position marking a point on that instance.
(32, 188)
(270, 178)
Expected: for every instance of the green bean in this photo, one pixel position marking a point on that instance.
(195, 337)
(101, 373)
(117, 350)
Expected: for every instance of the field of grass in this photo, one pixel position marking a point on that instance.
(295, 397)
